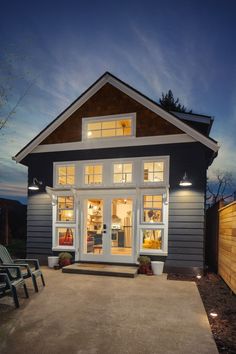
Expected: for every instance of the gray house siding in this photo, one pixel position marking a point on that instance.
(186, 229)
(39, 226)
(186, 206)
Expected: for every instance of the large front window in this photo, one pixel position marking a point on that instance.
(109, 128)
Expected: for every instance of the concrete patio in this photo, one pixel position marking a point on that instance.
(86, 314)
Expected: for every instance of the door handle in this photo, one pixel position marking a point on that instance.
(104, 226)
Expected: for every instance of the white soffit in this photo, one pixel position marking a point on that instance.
(108, 78)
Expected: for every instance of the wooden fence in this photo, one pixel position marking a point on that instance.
(227, 245)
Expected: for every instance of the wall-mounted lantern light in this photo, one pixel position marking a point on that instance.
(185, 182)
(35, 185)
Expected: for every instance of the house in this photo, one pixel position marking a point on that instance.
(110, 168)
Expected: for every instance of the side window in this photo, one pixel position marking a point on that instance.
(152, 208)
(65, 236)
(153, 222)
(65, 209)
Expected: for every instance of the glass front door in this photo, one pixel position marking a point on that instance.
(93, 233)
(121, 226)
(107, 229)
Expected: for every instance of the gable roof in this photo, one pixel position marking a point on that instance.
(131, 92)
(200, 122)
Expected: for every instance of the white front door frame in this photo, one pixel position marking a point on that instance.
(106, 196)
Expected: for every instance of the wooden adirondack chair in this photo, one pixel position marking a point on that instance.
(10, 284)
(26, 270)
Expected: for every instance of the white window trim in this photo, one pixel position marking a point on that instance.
(114, 117)
(107, 181)
(164, 200)
(122, 162)
(93, 163)
(152, 251)
(155, 226)
(55, 175)
(72, 222)
(166, 161)
(64, 224)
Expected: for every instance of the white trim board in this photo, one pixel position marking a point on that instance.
(108, 78)
(111, 143)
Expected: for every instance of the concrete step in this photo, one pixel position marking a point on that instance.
(101, 269)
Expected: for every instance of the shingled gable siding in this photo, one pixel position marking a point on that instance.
(186, 205)
(109, 101)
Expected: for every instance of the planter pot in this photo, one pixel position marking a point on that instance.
(65, 262)
(53, 261)
(157, 267)
(144, 268)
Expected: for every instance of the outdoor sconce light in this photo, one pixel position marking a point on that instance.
(35, 185)
(185, 182)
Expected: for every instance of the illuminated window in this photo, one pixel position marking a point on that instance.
(153, 171)
(66, 175)
(151, 239)
(109, 128)
(122, 173)
(152, 208)
(93, 174)
(65, 209)
(65, 236)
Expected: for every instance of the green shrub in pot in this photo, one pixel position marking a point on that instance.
(65, 259)
(144, 264)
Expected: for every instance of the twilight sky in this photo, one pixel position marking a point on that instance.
(56, 49)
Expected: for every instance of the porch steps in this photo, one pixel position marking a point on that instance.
(101, 269)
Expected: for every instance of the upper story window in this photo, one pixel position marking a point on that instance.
(153, 171)
(65, 174)
(109, 126)
(122, 173)
(93, 174)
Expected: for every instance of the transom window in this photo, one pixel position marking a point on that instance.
(93, 174)
(153, 171)
(110, 128)
(152, 208)
(122, 173)
(65, 174)
(65, 208)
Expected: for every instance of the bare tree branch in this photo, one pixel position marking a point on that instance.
(219, 184)
(4, 121)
